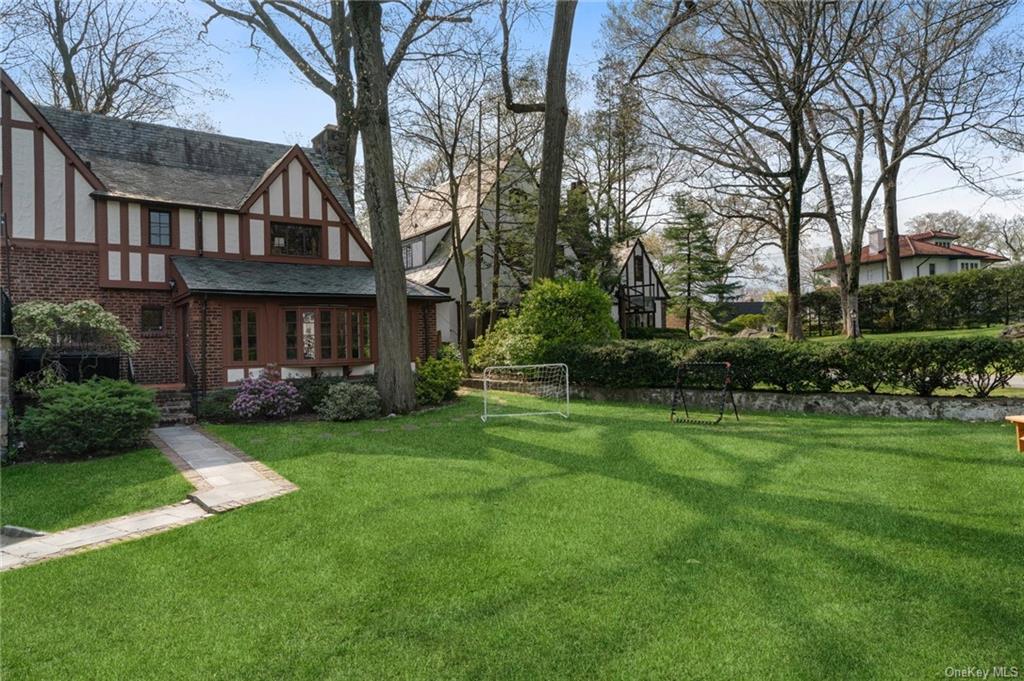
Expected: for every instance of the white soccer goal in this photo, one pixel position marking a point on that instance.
(526, 390)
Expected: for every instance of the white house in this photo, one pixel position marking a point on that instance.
(922, 254)
(640, 299)
(426, 236)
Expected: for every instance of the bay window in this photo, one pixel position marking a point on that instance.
(327, 334)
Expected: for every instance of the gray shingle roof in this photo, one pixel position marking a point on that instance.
(164, 163)
(213, 275)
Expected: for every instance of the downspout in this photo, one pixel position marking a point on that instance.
(917, 270)
(202, 379)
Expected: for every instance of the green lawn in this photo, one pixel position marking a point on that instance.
(611, 545)
(55, 496)
(987, 331)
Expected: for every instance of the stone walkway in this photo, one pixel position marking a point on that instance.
(224, 478)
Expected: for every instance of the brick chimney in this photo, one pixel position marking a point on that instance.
(327, 143)
(876, 241)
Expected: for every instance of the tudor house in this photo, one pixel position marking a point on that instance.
(923, 254)
(222, 256)
(639, 299)
(496, 204)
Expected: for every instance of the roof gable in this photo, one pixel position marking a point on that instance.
(622, 255)
(33, 112)
(148, 161)
(431, 209)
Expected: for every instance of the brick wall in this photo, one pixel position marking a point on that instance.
(428, 340)
(62, 276)
(214, 357)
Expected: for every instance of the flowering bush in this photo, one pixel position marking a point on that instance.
(50, 326)
(265, 398)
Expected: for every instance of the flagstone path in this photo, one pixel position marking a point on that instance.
(224, 478)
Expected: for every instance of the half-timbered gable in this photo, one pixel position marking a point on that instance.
(640, 299)
(171, 229)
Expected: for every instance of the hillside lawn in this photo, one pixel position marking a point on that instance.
(981, 331)
(610, 545)
(55, 496)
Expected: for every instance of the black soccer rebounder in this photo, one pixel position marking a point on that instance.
(708, 370)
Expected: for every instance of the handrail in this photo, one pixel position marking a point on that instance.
(131, 370)
(192, 383)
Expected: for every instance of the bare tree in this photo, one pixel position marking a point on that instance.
(395, 379)
(442, 99)
(628, 175)
(316, 38)
(556, 115)
(1004, 235)
(936, 71)
(731, 88)
(133, 60)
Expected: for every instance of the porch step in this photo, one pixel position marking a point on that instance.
(175, 407)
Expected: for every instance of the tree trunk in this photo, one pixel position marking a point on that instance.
(892, 227)
(556, 115)
(395, 379)
(478, 251)
(459, 257)
(342, 149)
(791, 245)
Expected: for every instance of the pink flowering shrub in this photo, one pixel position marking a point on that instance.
(265, 398)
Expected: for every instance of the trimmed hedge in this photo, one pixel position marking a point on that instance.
(922, 366)
(994, 295)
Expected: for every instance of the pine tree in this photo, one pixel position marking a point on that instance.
(696, 276)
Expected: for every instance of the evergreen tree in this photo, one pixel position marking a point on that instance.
(696, 276)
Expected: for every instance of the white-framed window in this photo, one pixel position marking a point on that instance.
(407, 256)
(968, 266)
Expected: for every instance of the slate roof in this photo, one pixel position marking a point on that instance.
(249, 277)
(176, 165)
(919, 245)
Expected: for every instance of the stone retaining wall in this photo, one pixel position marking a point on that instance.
(841, 404)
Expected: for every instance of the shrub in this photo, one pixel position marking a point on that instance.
(507, 343)
(47, 326)
(783, 365)
(926, 365)
(554, 314)
(868, 364)
(216, 406)
(919, 365)
(265, 398)
(745, 321)
(312, 391)
(100, 415)
(624, 364)
(349, 402)
(985, 364)
(437, 380)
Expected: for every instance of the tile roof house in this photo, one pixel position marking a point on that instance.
(223, 256)
(921, 254)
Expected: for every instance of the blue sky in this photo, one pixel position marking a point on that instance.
(267, 100)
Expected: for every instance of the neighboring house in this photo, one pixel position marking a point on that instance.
(426, 236)
(921, 255)
(221, 255)
(640, 300)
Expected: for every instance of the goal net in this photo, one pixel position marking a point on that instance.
(526, 390)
